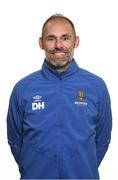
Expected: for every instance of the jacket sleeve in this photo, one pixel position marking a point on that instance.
(14, 125)
(104, 123)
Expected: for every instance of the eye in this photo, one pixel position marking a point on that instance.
(65, 37)
(50, 38)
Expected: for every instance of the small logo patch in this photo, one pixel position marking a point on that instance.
(37, 98)
(81, 98)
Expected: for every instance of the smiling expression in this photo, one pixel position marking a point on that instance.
(58, 41)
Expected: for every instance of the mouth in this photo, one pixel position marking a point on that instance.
(60, 53)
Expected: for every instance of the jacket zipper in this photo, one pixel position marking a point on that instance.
(60, 122)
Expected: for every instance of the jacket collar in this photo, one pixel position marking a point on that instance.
(50, 73)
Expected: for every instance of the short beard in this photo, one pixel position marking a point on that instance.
(58, 66)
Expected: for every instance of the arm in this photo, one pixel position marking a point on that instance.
(104, 124)
(14, 125)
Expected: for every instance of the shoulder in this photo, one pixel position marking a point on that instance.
(95, 82)
(91, 78)
(28, 81)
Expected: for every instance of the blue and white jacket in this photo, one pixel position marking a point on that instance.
(59, 124)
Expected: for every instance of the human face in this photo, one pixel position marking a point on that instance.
(58, 41)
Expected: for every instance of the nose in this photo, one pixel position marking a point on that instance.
(58, 44)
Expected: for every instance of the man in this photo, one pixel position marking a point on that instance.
(59, 118)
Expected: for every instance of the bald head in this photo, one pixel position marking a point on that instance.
(58, 17)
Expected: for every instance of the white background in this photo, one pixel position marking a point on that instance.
(96, 22)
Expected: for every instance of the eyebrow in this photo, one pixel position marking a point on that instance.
(66, 35)
(50, 36)
(53, 36)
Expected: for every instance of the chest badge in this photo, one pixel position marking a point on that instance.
(81, 98)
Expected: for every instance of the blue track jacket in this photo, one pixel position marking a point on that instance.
(59, 124)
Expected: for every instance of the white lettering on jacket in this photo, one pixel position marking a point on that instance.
(38, 105)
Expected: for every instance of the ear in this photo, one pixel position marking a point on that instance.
(77, 41)
(41, 43)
